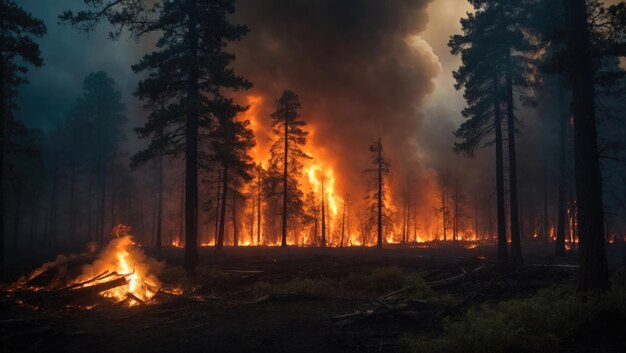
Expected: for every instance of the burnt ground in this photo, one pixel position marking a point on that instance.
(290, 300)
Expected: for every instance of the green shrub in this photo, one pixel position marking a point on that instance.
(386, 279)
(536, 324)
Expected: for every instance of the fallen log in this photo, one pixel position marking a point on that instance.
(67, 268)
(563, 266)
(457, 278)
(89, 291)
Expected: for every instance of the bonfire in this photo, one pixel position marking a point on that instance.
(121, 272)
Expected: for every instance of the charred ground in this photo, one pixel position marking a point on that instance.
(309, 300)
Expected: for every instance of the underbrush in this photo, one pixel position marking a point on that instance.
(540, 323)
(305, 287)
(385, 279)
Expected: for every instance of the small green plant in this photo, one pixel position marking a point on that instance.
(386, 279)
(536, 324)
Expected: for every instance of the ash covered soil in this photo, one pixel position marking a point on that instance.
(299, 300)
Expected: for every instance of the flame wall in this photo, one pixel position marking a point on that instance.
(361, 71)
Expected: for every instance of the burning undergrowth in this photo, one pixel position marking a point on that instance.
(120, 272)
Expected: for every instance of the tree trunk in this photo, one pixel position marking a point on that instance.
(283, 242)
(220, 236)
(343, 221)
(235, 230)
(101, 210)
(455, 222)
(191, 146)
(516, 245)
(444, 209)
(503, 251)
(379, 242)
(217, 206)
(159, 217)
(315, 230)
(258, 211)
(323, 216)
(593, 273)
(563, 220)
(4, 110)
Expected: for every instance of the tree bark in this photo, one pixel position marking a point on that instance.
(217, 206)
(258, 211)
(220, 237)
(516, 245)
(285, 178)
(563, 187)
(323, 216)
(380, 195)
(593, 273)
(503, 251)
(191, 146)
(235, 230)
(159, 218)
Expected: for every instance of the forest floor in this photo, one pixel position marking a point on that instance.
(299, 300)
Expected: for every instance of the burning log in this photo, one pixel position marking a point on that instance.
(90, 291)
(58, 270)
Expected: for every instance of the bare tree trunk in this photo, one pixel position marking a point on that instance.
(258, 215)
(380, 195)
(315, 230)
(235, 230)
(343, 221)
(285, 178)
(444, 209)
(220, 237)
(562, 220)
(455, 222)
(516, 244)
(191, 146)
(594, 272)
(159, 217)
(545, 231)
(503, 251)
(217, 206)
(323, 216)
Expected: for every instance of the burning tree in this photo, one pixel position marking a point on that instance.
(379, 212)
(186, 73)
(287, 155)
(231, 141)
(311, 216)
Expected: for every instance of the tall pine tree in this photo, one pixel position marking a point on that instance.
(378, 209)
(18, 50)
(495, 52)
(231, 141)
(188, 72)
(287, 154)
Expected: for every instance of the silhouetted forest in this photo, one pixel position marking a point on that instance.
(490, 131)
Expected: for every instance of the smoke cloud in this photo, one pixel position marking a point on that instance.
(361, 70)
